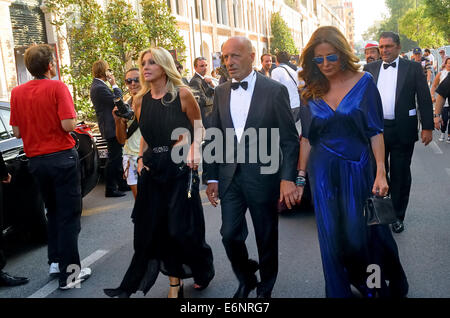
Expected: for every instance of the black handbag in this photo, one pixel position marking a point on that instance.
(379, 210)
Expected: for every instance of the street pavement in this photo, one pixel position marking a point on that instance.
(105, 243)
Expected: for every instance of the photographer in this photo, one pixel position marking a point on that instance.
(128, 133)
(103, 100)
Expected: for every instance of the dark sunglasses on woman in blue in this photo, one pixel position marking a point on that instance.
(129, 80)
(330, 58)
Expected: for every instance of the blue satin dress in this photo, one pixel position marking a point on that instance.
(341, 174)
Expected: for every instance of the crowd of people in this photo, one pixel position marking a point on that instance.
(357, 137)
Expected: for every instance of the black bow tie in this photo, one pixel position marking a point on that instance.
(386, 65)
(235, 85)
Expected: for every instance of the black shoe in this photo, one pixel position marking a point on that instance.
(9, 281)
(114, 194)
(124, 188)
(264, 295)
(116, 292)
(245, 288)
(398, 227)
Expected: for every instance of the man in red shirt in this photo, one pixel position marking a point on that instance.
(43, 115)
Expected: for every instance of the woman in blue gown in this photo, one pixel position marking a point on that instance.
(342, 136)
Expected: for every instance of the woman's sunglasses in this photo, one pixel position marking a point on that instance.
(130, 80)
(330, 58)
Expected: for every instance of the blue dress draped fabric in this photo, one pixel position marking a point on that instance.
(341, 172)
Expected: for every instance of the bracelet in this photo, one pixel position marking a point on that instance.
(437, 115)
(300, 181)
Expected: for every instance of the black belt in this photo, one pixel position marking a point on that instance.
(54, 153)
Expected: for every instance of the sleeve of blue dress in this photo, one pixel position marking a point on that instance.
(373, 109)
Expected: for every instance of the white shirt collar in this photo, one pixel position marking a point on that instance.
(202, 77)
(101, 80)
(250, 78)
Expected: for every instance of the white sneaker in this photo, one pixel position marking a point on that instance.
(442, 137)
(85, 273)
(448, 140)
(54, 269)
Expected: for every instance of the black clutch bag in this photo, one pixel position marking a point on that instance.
(379, 210)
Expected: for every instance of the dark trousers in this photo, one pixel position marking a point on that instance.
(241, 195)
(398, 169)
(114, 168)
(445, 116)
(2, 244)
(58, 177)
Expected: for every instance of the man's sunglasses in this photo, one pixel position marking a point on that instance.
(130, 80)
(330, 58)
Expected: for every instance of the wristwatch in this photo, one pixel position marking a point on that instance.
(437, 115)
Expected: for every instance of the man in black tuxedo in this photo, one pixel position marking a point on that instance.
(203, 88)
(252, 102)
(103, 100)
(400, 82)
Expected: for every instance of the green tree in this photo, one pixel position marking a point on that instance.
(281, 39)
(115, 35)
(439, 12)
(161, 26)
(420, 28)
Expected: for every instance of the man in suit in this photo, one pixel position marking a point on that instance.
(103, 100)
(253, 102)
(400, 82)
(266, 62)
(203, 88)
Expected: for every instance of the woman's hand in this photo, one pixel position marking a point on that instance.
(140, 166)
(380, 186)
(193, 158)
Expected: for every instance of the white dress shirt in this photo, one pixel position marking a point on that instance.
(240, 100)
(240, 104)
(280, 74)
(387, 86)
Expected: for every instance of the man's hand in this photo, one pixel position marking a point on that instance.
(111, 79)
(7, 179)
(427, 136)
(209, 81)
(288, 193)
(212, 191)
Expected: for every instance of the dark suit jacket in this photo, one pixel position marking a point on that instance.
(411, 83)
(269, 108)
(103, 100)
(202, 90)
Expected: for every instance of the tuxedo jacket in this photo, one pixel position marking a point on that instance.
(411, 85)
(202, 90)
(269, 108)
(103, 100)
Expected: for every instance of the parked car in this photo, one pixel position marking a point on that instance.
(23, 207)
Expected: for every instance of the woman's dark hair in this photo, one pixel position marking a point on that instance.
(316, 84)
(130, 70)
(37, 58)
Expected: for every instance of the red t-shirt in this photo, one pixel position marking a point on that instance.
(37, 108)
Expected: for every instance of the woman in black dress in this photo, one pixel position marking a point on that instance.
(169, 228)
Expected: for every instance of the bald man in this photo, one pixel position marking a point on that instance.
(256, 107)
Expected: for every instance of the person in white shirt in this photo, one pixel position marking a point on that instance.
(288, 77)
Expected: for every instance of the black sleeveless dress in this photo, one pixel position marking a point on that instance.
(169, 227)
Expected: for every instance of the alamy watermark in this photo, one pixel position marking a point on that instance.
(254, 146)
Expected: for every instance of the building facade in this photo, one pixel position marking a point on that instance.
(204, 24)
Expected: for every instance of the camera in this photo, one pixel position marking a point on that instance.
(123, 109)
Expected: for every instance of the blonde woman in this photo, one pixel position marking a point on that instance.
(169, 228)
